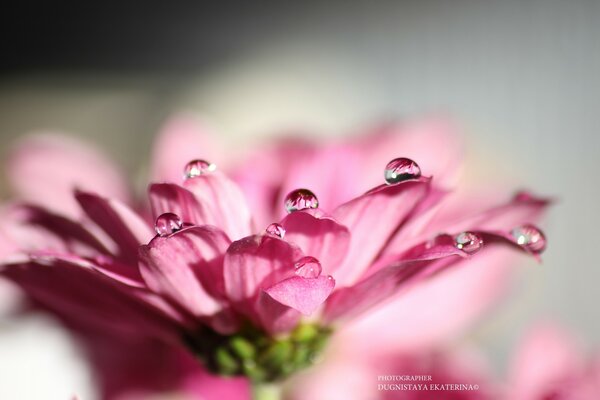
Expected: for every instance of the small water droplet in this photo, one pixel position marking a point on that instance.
(275, 229)
(196, 168)
(468, 242)
(401, 169)
(167, 223)
(300, 199)
(308, 267)
(530, 237)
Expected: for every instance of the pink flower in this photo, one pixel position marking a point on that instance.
(248, 296)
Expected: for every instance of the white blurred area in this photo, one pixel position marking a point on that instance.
(521, 76)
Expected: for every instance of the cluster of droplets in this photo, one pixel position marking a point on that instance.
(308, 267)
(167, 224)
(300, 199)
(468, 242)
(530, 238)
(400, 170)
(196, 168)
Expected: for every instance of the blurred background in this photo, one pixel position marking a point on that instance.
(520, 75)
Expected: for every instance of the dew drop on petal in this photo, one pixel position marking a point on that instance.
(275, 229)
(196, 168)
(530, 237)
(167, 223)
(308, 267)
(300, 199)
(468, 242)
(400, 170)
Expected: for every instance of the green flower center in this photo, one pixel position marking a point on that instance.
(254, 354)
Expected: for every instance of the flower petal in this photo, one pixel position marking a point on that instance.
(318, 236)
(45, 169)
(187, 268)
(302, 294)
(373, 218)
(121, 224)
(182, 139)
(169, 197)
(274, 317)
(223, 202)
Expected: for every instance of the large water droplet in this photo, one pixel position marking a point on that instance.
(468, 242)
(308, 267)
(196, 168)
(300, 199)
(275, 229)
(530, 237)
(401, 169)
(167, 223)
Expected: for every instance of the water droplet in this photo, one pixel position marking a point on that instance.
(468, 242)
(530, 237)
(401, 169)
(300, 199)
(196, 168)
(167, 223)
(275, 230)
(308, 267)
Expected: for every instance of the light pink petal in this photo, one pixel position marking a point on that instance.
(73, 289)
(169, 197)
(302, 294)
(419, 263)
(187, 268)
(183, 138)
(318, 236)
(223, 203)
(256, 262)
(372, 219)
(274, 317)
(46, 169)
(122, 224)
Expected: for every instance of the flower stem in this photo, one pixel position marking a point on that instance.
(266, 391)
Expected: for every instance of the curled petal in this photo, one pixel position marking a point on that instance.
(274, 316)
(46, 169)
(222, 202)
(187, 268)
(317, 236)
(302, 294)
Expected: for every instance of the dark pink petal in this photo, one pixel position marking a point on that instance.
(45, 169)
(169, 197)
(122, 224)
(373, 218)
(318, 236)
(183, 138)
(302, 294)
(223, 203)
(187, 268)
(74, 290)
(254, 263)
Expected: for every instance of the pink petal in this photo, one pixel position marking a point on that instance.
(274, 317)
(302, 294)
(73, 289)
(121, 224)
(169, 197)
(373, 218)
(318, 236)
(187, 268)
(223, 202)
(182, 139)
(45, 169)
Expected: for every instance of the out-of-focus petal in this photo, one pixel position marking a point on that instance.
(302, 294)
(223, 203)
(372, 219)
(46, 169)
(187, 267)
(183, 138)
(121, 224)
(318, 236)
